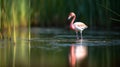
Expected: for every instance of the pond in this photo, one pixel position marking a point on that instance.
(59, 48)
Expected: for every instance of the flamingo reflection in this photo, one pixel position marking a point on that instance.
(77, 54)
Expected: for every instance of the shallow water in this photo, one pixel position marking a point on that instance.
(59, 48)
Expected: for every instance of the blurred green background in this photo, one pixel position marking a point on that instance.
(97, 14)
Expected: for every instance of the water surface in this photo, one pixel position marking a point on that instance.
(59, 48)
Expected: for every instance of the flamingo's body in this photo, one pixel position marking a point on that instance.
(77, 26)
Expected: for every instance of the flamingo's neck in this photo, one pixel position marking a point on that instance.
(72, 23)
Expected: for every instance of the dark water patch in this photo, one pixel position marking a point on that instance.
(36, 30)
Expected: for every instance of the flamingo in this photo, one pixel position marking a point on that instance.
(77, 26)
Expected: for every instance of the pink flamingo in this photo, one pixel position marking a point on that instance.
(77, 26)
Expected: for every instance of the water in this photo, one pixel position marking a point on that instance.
(59, 48)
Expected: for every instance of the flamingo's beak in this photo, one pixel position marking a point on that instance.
(86, 26)
(69, 17)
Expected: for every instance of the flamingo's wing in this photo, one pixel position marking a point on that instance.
(80, 26)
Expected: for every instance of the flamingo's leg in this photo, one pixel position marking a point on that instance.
(81, 34)
(77, 34)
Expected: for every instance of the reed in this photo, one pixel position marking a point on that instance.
(0, 19)
(14, 15)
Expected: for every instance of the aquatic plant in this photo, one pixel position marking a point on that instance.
(14, 15)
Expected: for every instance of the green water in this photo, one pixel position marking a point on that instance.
(58, 48)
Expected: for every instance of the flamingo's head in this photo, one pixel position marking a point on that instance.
(72, 14)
